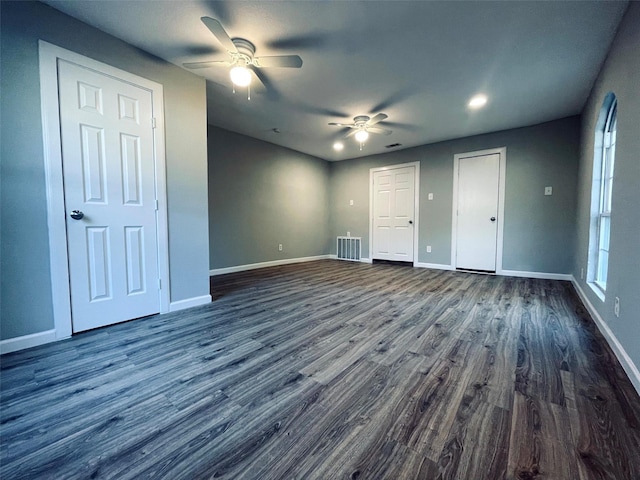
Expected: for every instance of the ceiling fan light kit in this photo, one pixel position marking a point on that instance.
(240, 76)
(362, 136)
(243, 59)
(363, 125)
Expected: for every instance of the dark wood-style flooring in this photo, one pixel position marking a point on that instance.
(331, 370)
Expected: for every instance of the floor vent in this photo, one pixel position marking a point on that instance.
(349, 248)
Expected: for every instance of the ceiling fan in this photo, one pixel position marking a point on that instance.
(242, 61)
(363, 125)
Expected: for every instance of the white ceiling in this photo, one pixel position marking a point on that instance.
(417, 61)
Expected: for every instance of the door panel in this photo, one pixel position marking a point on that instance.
(93, 163)
(478, 188)
(393, 214)
(109, 175)
(98, 263)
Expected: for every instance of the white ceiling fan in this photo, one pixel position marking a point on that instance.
(242, 61)
(363, 125)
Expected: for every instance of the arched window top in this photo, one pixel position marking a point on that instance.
(608, 109)
(612, 115)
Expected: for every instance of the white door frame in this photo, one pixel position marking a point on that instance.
(502, 151)
(56, 213)
(416, 213)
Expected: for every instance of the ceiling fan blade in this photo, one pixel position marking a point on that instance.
(257, 84)
(352, 132)
(215, 63)
(286, 61)
(377, 118)
(220, 33)
(350, 125)
(383, 131)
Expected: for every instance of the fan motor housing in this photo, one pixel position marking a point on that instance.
(245, 48)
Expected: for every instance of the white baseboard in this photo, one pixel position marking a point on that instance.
(189, 302)
(27, 341)
(274, 263)
(435, 266)
(625, 360)
(33, 340)
(545, 276)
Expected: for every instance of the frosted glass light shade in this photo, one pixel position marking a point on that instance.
(362, 136)
(240, 76)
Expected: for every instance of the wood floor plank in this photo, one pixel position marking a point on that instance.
(465, 454)
(600, 432)
(331, 370)
(425, 422)
(541, 445)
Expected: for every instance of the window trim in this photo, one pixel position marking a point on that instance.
(602, 193)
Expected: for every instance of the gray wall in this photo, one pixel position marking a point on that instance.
(26, 305)
(261, 195)
(538, 229)
(620, 74)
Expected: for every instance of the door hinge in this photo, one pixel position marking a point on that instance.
(159, 284)
(157, 206)
(153, 122)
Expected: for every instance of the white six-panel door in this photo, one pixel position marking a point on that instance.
(107, 149)
(477, 212)
(393, 214)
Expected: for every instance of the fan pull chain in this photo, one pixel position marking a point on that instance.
(233, 86)
(249, 92)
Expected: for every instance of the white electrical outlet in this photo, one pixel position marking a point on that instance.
(430, 196)
(350, 202)
(348, 234)
(279, 247)
(428, 248)
(616, 307)
(582, 274)
(548, 190)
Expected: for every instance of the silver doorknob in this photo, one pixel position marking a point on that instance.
(493, 219)
(77, 215)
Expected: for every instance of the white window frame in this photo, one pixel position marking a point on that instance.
(602, 194)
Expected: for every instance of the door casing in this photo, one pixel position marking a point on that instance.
(56, 212)
(416, 220)
(502, 152)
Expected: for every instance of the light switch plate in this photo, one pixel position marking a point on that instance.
(430, 196)
(548, 190)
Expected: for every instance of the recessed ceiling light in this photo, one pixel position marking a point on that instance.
(478, 101)
(338, 146)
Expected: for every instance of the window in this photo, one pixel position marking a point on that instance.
(603, 165)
